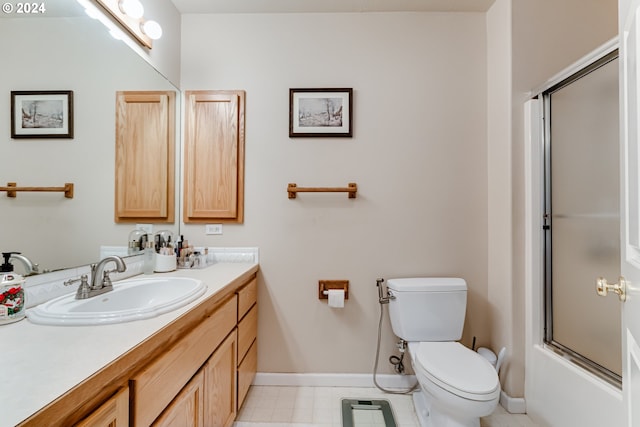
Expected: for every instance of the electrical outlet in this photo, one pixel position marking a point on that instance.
(213, 229)
(148, 228)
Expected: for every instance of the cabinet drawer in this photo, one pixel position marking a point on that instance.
(114, 411)
(161, 380)
(247, 371)
(247, 332)
(247, 296)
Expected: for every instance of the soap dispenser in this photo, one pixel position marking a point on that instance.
(11, 293)
(6, 265)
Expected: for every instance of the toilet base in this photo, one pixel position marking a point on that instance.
(429, 415)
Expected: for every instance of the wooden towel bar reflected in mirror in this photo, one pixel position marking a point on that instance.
(12, 189)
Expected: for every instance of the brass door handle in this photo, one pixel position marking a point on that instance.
(620, 288)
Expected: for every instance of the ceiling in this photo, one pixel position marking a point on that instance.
(329, 6)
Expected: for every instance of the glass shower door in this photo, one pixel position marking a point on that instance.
(582, 217)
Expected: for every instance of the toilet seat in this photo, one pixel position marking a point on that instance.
(457, 369)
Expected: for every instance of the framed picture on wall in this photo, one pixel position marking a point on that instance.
(42, 114)
(321, 112)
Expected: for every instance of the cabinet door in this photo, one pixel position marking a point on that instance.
(145, 156)
(214, 156)
(186, 410)
(220, 384)
(113, 413)
(247, 372)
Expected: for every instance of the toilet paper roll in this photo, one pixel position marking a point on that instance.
(336, 298)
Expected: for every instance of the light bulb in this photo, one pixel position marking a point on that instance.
(152, 29)
(132, 8)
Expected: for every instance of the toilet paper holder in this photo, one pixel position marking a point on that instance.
(325, 285)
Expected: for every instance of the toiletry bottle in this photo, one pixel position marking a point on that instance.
(12, 295)
(149, 258)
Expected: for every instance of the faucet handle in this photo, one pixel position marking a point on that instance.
(83, 289)
(106, 280)
(72, 281)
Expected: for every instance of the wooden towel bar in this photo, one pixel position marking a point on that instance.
(12, 189)
(352, 189)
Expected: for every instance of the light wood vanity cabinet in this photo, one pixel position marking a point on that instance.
(145, 156)
(247, 338)
(193, 372)
(214, 156)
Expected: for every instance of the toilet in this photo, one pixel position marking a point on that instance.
(457, 385)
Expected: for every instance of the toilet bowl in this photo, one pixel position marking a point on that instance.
(457, 385)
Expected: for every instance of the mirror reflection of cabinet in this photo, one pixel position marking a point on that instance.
(145, 156)
(214, 156)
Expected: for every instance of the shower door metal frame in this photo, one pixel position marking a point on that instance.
(575, 357)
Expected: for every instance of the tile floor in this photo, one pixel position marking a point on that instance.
(280, 406)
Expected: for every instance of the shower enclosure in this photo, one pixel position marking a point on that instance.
(581, 218)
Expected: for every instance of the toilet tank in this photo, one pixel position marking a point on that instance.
(427, 308)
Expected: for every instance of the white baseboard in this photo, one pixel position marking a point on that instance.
(334, 380)
(513, 405)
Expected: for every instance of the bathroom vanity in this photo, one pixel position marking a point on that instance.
(189, 367)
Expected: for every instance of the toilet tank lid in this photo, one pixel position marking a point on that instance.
(416, 284)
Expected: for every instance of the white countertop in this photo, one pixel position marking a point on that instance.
(41, 363)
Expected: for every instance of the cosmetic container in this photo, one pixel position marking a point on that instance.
(137, 238)
(149, 258)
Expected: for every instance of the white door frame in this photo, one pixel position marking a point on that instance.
(629, 30)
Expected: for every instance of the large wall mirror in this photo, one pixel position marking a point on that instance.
(65, 49)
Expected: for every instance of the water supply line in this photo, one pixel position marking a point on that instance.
(394, 360)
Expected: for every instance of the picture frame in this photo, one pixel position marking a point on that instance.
(325, 112)
(42, 114)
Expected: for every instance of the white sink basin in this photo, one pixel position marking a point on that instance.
(131, 299)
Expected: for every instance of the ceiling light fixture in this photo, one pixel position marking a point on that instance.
(129, 14)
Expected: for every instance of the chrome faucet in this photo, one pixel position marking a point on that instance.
(29, 267)
(100, 277)
(100, 280)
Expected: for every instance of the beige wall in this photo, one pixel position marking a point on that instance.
(547, 36)
(418, 156)
(528, 42)
(163, 56)
(500, 294)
